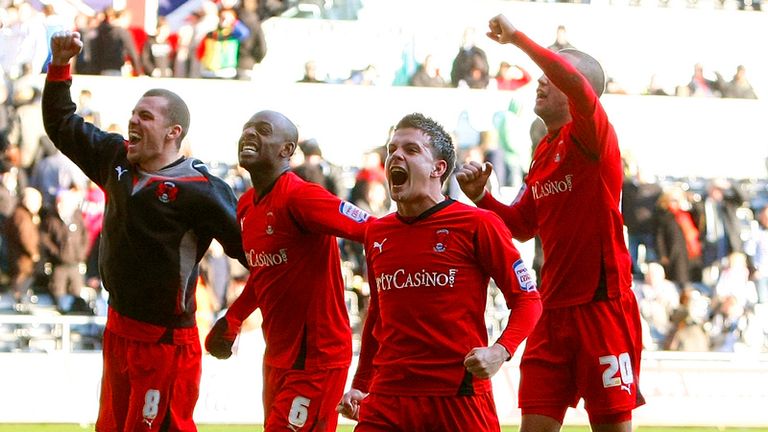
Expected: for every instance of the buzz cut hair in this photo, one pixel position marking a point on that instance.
(588, 66)
(439, 139)
(176, 110)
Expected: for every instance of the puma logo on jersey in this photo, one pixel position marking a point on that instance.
(379, 246)
(120, 171)
(626, 387)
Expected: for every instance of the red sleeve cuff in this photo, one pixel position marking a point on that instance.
(59, 72)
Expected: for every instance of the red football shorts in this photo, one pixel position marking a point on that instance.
(146, 385)
(301, 399)
(589, 351)
(385, 413)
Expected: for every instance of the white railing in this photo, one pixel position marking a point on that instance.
(30, 328)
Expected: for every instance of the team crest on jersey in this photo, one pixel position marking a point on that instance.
(441, 240)
(270, 223)
(353, 212)
(167, 191)
(524, 278)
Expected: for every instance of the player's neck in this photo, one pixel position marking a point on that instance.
(264, 180)
(413, 208)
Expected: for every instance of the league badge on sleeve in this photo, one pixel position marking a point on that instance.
(353, 212)
(524, 278)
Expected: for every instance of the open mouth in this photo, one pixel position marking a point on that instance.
(248, 150)
(398, 176)
(134, 137)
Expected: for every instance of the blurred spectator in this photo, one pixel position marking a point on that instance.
(701, 86)
(465, 134)
(513, 142)
(511, 77)
(614, 87)
(310, 73)
(722, 228)
(111, 45)
(367, 76)
(219, 50)
(7, 113)
(654, 88)
(54, 173)
(27, 99)
(561, 40)
(372, 168)
(92, 209)
(13, 180)
(215, 274)
(428, 75)
(758, 248)
(22, 38)
(755, 5)
(138, 35)
(87, 26)
(159, 52)
(470, 66)
(733, 281)
(317, 169)
(53, 23)
(658, 298)
(22, 233)
(64, 241)
(86, 110)
(739, 86)
(677, 239)
(687, 331)
(252, 49)
(638, 203)
(270, 8)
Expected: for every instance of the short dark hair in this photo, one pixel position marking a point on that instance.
(439, 139)
(176, 110)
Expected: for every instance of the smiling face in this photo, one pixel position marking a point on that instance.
(551, 103)
(266, 144)
(413, 172)
(151, 136)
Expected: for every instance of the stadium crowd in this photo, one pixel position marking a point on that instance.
(699, 246)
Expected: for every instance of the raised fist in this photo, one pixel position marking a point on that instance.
(64, 46)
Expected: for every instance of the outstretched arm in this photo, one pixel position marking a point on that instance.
(562, 74)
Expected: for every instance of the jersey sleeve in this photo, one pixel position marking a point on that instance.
(589, 118)
(82, 142)
(220, 220)
(519, 217)
(499, 257)
(245, 303)
(369, 346)
(317, 210)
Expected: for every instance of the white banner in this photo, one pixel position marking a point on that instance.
(707, 389)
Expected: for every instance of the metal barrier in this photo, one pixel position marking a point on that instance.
(20, 331)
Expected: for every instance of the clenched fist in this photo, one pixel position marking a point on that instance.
(64, 46)
(221, 338)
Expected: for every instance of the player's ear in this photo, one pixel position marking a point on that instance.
(439, 168)
(174, 132)
(288, 149)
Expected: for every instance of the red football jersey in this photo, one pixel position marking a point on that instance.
(289, 239)
(429, 285)
(571, 200)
